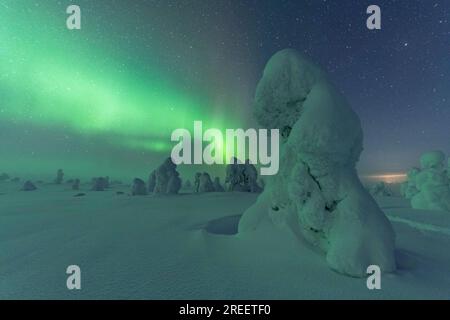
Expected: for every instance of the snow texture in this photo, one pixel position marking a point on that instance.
(317, 193)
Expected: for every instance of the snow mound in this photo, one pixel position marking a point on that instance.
(317, 193)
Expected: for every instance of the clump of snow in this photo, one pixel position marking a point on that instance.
(380, 189)
(139, 188)
(59, 176)
(217, 185)
(429, 186)
(317, 193)
(165, 179)
(28, 186)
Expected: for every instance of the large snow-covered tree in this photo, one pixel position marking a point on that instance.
(317, 193)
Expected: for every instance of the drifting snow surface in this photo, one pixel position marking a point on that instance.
(185, 247)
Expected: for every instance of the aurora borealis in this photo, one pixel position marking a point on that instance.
(104, 99)
(89, 86)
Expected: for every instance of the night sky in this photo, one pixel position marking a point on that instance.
(103, 100)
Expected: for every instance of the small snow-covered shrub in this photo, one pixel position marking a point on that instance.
(250, 176)
(317, 193)
(152, 181)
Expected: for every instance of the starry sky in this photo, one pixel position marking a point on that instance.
(103, 100)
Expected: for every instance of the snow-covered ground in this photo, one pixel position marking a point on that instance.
(184, 247)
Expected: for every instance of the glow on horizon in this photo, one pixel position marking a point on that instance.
(387, 177)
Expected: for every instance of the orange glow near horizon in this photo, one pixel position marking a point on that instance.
(388, 177)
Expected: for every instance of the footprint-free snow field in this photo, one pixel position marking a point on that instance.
(186, 247)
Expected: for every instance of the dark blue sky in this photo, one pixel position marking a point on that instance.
(397, 78)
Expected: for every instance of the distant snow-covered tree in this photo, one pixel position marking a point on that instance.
(429, 186)
(138, 188)
(59, 176)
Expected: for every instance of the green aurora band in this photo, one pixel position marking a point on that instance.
(84, 84)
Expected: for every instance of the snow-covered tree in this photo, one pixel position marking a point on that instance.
(59, 176)
(380, 189)
(250, 176)
(197, 181)
(317, 192)
(206, 184)
(429, 186)
(187, 184)
(408, 188)
(165, 179)
(99, 184)
(28, 186)
(4, 177)
(217, 185)
(76, 184)
(139, 188)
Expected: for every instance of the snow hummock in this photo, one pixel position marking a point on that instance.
(317, 193)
